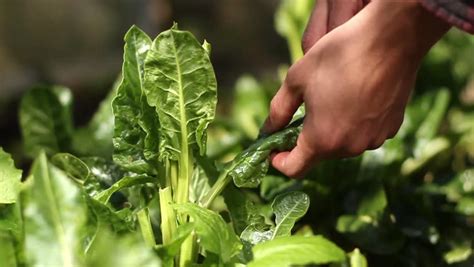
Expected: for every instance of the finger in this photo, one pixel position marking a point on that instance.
(317, 25)
(296, 162)
(340, 11)
(282, 107)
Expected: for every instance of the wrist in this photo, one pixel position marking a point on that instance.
(405, 26)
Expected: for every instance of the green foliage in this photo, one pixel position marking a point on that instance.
(290, 22)
(45, 120)
(10, 179)
(54, 214)
(181, 85)
(95, 139)
(249, 167)
(213, 232)
(296, 250)
(135, 186)
(135, 136)
(288, 208)
(250, 106)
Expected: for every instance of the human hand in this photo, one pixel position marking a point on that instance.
(326, 16)
(355, 83)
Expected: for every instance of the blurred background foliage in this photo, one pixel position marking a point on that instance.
(409, 203)
(79, 44)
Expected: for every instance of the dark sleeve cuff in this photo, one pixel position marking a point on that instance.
(459, 13)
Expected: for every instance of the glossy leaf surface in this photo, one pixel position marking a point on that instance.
(250, 166)
(288, 208)
(181, 85)
(136, 124)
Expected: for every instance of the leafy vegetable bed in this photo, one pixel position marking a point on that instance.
(139, 185)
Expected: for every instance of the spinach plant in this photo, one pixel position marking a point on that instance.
(157, 197)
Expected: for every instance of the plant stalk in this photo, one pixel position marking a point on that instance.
(168, 216)
(188, 251)
(216, 189)
(145, 227)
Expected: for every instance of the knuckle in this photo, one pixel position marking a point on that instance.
(332, 146)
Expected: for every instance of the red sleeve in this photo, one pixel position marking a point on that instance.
(459, 13)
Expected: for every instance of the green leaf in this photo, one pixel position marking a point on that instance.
(54, 215)
(10, 179)
(466, 206)
(459, 253)
(250, 106)
(103, 174)
(199, 187)
(181, 85)
(7, 250)
(71, 165)
(288, 208)
(111, 250)
(250, 166)
(168, 252)
(257, 233)
(430, 150)
(124, 182)
(11, 235)
(136, 124)
(213, 232)
(95, 139)
(243, 211)
(45, 120)
(430, 125)
(290, 22)
(357, 259)
(296, 250)
(101, 214)
(371, 228)
(272, 185)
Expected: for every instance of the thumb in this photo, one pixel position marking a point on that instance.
(282, 107)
